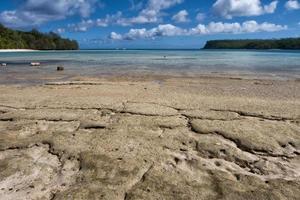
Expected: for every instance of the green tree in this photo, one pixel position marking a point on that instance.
(288, 43)
(12, 39)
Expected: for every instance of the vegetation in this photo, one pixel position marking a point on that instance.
(288, 43)
(13, 39)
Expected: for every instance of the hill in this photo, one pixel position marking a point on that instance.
(13, 39)
(287, 43)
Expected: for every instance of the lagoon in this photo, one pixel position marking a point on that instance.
(271, 63)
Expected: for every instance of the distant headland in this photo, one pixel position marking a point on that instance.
(286, 43)
(35, 40)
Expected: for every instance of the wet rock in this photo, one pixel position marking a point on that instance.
(60, 68)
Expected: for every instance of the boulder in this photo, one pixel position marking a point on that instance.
(60, 68)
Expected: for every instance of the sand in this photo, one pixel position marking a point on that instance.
(172, 138)
(16, 50)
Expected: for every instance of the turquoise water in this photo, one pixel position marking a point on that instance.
(185, 62)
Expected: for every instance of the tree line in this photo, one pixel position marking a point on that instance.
(14, 39)
(287, 43)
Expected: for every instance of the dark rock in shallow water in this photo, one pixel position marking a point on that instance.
(60, 68)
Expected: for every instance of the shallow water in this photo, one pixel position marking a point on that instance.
(275, 63)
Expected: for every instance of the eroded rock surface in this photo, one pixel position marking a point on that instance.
(89, 140)
(34, 173)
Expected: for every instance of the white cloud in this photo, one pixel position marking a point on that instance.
(36, 12)
(115, 36)
(161, 30)
(83, 26)
(200, 17)
(152, 12)
(292, 5)
(181, 16)
(232, 8)
(134, 34)
(167, 30)
(271, 7)
(201, 29)
(60, 30)
(110, 19)
(236, 28)
(102, 22)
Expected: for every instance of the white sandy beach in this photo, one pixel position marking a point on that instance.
(16, 50)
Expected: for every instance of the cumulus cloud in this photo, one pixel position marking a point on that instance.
(83, 26)
(36, 12)
(236, 28)
(235, 8)
(181, 16)
(271, 7)
(115, 36)
(152, 13)
(161, 30)
(201, 29)
(292, 5)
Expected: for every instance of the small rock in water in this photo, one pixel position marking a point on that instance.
(3, 64)
(35, 64)
(60, 68)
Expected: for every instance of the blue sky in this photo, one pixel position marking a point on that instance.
(154, 23)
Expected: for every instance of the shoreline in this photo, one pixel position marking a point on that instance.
(16, 50)
(42, 75)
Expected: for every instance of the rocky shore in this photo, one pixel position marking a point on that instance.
(177, 138)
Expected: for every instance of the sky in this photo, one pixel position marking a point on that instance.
(154, 23)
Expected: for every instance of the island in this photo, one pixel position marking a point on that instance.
(14, 39)
(286, 43)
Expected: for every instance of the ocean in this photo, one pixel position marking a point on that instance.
(271, 63)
